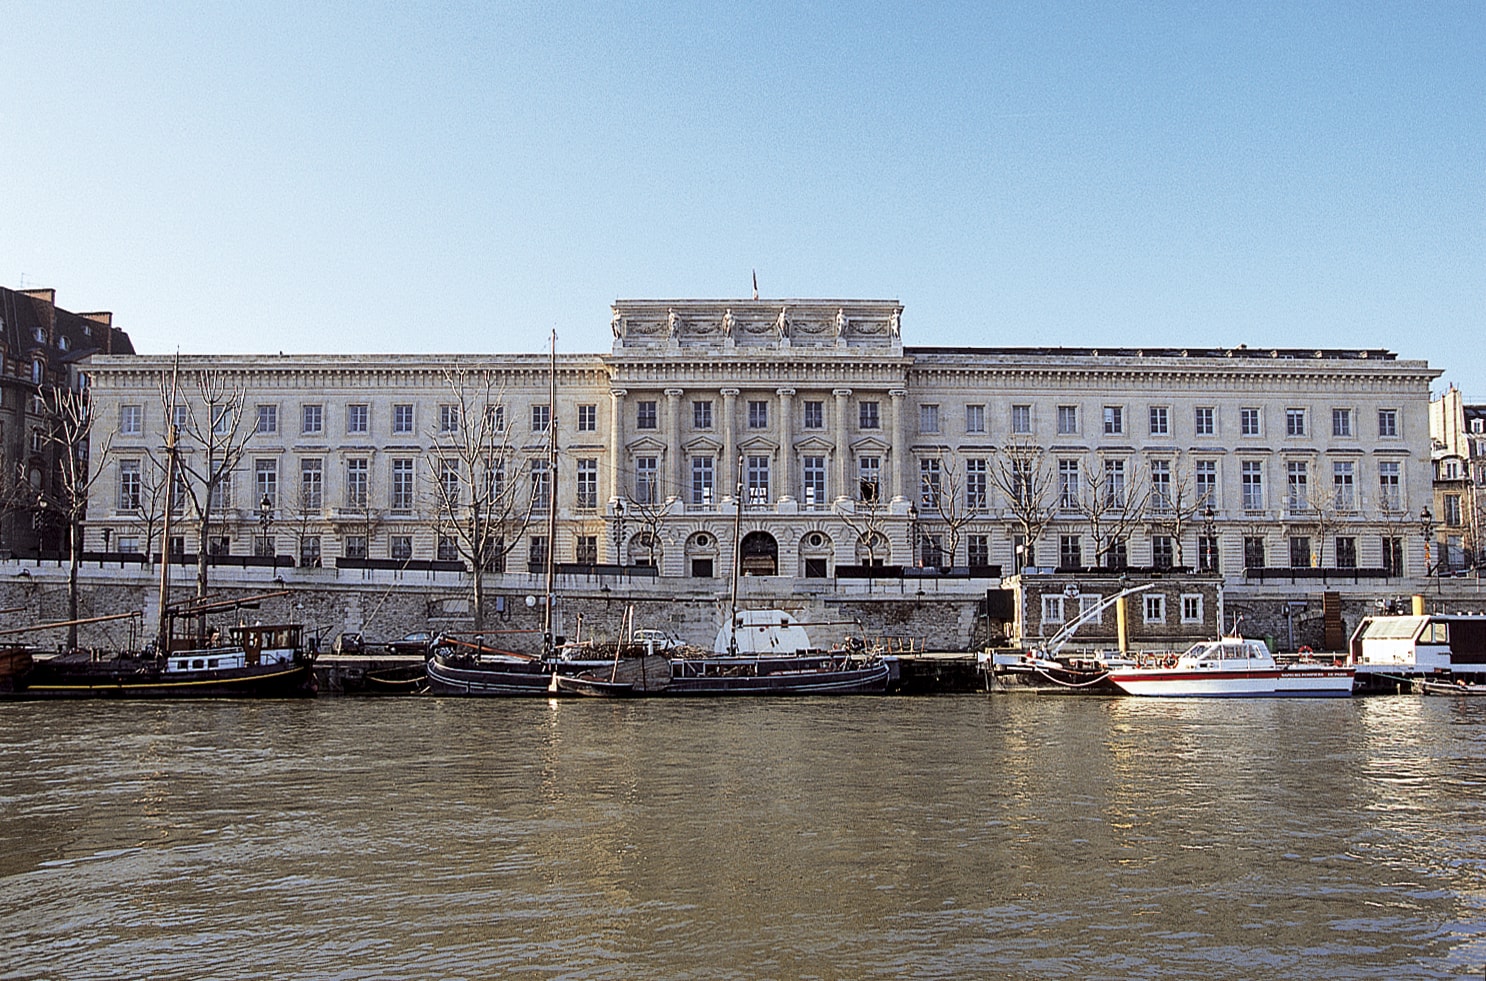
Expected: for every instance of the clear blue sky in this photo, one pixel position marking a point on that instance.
(256, 177)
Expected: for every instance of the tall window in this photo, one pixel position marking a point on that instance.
(1114, 483)
(586, 550)
(701, 480)
(1390, 496)
(1297, 485)
(402, 419)
(1163, 552)
(313, 417)
(978, 550)
(268, 419)
(815, 416)
(701, 414)
(449, 418)
(1253, 552)
(402, 484)
(1393, 556)
(1387, 422)
(1161, 485)
(1294, 422)
(1067, 420)
(1205, 421)
(758, 414)
(129, 485)
(1450, 514)
(1205, 474)
(1343, 484)
(1251, 481)
(1346, 552)
(355, 547)
(814, 472)
(1300, 552)
(1068, 484)
(358, 419)
(449, 482)
(1160, 420)
(869, 478)
(131, 420)
(758, 480)
(588, 418)
(357, 471)
(928, 418)
(977, 485)
(867, 416)
(588, 483)
(495, 416)
(541, 484)
(1341, 422)
(311, 484)
(645, 415)
(1207, 553)
(647, 489)
(1070, 552)
(1021, 420)
(400, 547)
(975, 418)
(541, 418)
(1114, 420)
(266, 481)
(929, 474)
(1248, 422)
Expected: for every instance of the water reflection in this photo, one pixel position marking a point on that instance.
(950, 837)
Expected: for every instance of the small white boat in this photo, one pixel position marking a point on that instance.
(1232, 667)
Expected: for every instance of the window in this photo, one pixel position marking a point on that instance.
(1343, 485)
(1160, 420)
(312, 420)
(541, 418)
(495, 418)
(1297, 485)
(400, 547)
(758, 479)
(1191, 608)
(1161, 485)
(815, 417)
(1205, 422)
(646, 483)
(1114, 420)
(129, 485)
(448, 418)
(1067, 420)
(645, 416)
(977, 485)
(758, 414)
(264, 546)
(869, 478)
(1341, 422)
(309, 551)
(1294, 422)
(928, 418)
(814, 487)
(1052, 609)
(357, 470)
(1205, 474)
(1248, 422)
(1346, 552)
(701, 414)
(1451, 511)
(1251, 481)
(1068, 486)
(586, 550)
(978, 548)
(701, 568)
(588, 418)
(358, 419)
(495, 482)
(975, 418)
(1207, 553)
(536, 552)
(1155, 608)
(1300, 551)
(588, 484)
(268, 419)
(1393, 556)
(1253, 552)
(180, 416)
(867, 417)
(1163, 552)
(1114, 483)
(402, 484)
(131, 420)
(355, 547)
(541, 484)
(1388, 422)
(449, 484)
(931, 552)
(448, 549)
(266, 481)
(1021, 420)
(402, 419)
(928, 484)
(1118, 555)
(1070, 552)
(129, 544)
(311, 484)
(1390, 497)
(701, 480)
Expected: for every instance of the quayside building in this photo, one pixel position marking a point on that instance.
(805, 438)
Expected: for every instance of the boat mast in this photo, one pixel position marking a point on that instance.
(547, 645)
(737, 560)
(163, 629)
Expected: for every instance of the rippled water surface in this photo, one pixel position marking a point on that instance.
(955, 837)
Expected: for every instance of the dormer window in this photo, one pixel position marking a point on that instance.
(40, 335)
(62, 344)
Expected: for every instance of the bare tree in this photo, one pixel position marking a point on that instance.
(953, 503)
(650, 516)
(1024, 475)
(1112, 501)
(214, 434)
(148, 512)
(1175, 502)
(481, 507)
(69, 426)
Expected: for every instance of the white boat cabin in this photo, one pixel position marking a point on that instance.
(764, 632)
(1425, 644)
(1227, 654)
(247, 646)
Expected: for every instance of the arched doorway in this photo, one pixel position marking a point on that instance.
(758, 554)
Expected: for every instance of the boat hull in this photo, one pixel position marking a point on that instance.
(143, 680)
(455, 676)
(1311, 682)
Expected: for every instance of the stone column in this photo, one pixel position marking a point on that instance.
(728, 466)
(618, 462)
(786, 489)
(673, 442)
(900, 446)
(838, 472)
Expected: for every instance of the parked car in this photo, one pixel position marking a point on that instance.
(414, 643)
(348, 642)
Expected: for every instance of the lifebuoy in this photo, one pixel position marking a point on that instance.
(1171, 660)
(1305, 649)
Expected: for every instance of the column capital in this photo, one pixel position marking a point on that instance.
(841, 393)
(675, 393)
(618, 393)
(730, 393)
(897, 393)
(784, 391)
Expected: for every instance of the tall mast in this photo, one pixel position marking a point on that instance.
(547, 639)
(737, 559)
(163, 635)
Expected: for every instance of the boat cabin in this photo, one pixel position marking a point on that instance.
(247, 646)
(1403, 646)
(764, 632)
(1228, 654)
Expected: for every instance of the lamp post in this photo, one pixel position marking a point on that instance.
(619, 531)
(265, 519)
(1208, 557)
(1426, 526)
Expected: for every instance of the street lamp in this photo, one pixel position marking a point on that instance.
(1426, 526)
(1209, 553)
(619, 531)
(265, 519)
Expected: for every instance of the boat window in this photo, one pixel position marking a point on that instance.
(1391, 628)
(1438, 632)
(211, 663)
(197, 663)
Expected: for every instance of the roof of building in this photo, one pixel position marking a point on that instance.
(31, 320)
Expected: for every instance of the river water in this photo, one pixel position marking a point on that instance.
(948, 837)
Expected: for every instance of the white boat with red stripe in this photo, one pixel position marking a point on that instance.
(1232, 667)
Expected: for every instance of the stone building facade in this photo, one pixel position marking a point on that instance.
(845, 448)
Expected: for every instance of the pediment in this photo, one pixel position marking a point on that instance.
(819, 443)
(709, 443)
(759, 442)
(871, 443)
(646, 443)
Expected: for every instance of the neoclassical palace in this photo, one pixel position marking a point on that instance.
(845, 448)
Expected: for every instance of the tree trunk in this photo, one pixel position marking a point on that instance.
(74, 547)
